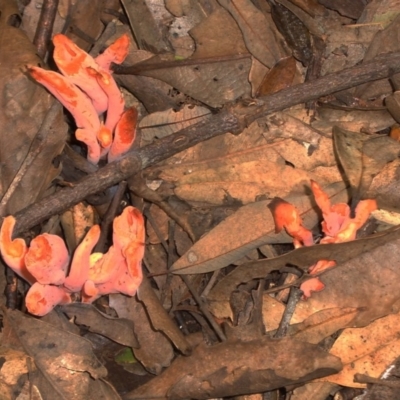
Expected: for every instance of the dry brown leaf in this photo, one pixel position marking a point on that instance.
(160, 319)
(250, 227)
(356, 266)
(259, 33)
(164, 123)
(385, 41)
(380, 12)
(285, 125)
(349, 8)
(346, 46)
(119, 330)
(23, 106)
(363, 157)
(14, 368)
(155, 352)
(149, 34)
(323, 324)
(234, 167)
(313, 390)
(56, 354)
(244, 182)
(217, 36)
(279, 77)
(180, 8)
(385, 187)
(161, 219)
(214, 83)
(235, 367)
(368, 350)
(355, 121)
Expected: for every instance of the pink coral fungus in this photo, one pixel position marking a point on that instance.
(337, 225)
(88, 91)
(44, 264)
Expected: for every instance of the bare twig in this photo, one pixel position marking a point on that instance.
(362, 378)
(294, 298)
(44, 29)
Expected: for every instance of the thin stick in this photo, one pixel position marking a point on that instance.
(294, 297)
(44, 28)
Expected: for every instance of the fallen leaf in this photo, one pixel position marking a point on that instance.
(295, 32)
(351, 9)
(236, 367)
(385, 187)
(279, 77)
(148, 34)
(259, 32)
(23, 107)
(213, 83)
(250, 227)
(164, 123)
(356, 263)
(56, 354)
(120, 330)
(363, 157)
(155, 352)
(383, 42)
(369, 350)
(323, 324)
(218, 35)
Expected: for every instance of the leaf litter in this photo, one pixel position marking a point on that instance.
(210, 230)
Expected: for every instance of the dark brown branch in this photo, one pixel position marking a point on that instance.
(44, 29)
(150, 65)
(228, 120)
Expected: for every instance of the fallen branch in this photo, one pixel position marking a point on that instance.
(233, 120)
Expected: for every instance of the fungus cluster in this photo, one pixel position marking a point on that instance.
(337, 226)
(46, 262)
(88, 91)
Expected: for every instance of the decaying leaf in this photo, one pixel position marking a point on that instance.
(217, 36)
(119, 330)
(279, 77)
(160, 320)
(285, 125)
(24, 105)
(348, 8)
(148, 33)
(385, 187)
(155, 352)
(356, 263)
(385, 41)
(259, 33)
(213, 83)
(363, 157)
(369, 350)
(164, 123)
(294, 31)
(237, 367)
(322, 324)
(56, 354)
(250, 227)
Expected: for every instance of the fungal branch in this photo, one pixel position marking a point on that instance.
(337, 226)
(46, 266)
(87, 89)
